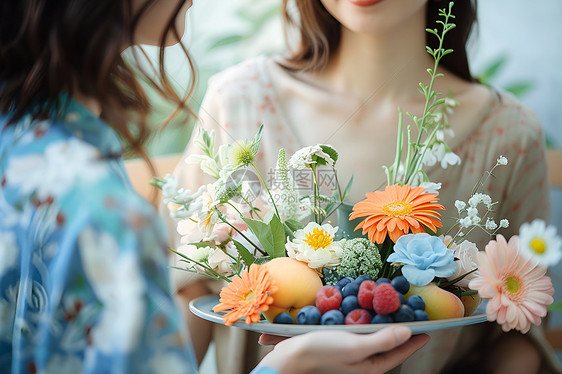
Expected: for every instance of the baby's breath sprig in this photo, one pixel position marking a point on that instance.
(468, 214)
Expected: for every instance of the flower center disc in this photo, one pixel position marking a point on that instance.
(538, 245)
(397, 208)
(249, 296)
(318, 239)
(512, 285)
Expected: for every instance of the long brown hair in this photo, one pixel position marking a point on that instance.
(320, 34)
(66, 46)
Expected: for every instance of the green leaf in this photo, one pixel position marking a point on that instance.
(347, 188)
(257, 139)
(271, 235)
(330, 151)
(294, 225)
(232, 39)
(492, 70)
(278, 236)
(203, 244)
(247, 257)
(289, 233)
(519, 88)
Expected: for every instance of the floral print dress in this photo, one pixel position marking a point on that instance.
(84, 283)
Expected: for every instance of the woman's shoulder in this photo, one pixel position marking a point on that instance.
(503, 119)
(248, 74)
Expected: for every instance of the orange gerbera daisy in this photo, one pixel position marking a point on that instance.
(247, 296)
(396, 211)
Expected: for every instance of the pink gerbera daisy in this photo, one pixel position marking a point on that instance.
(518, 289)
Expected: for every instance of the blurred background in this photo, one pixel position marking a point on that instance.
(515, 47)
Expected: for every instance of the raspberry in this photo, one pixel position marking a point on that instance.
(366, 294)
(328, 298)
(386, 299)
(358, 317)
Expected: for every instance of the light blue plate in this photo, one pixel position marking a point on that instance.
(203, 307)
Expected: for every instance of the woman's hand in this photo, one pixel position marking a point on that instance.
(342, 352)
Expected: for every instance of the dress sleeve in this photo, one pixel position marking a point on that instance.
(525, 194)
(118, 275)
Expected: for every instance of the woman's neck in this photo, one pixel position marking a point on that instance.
(92, 104)
(390, 64)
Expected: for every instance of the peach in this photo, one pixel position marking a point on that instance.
(297, 286)
(439, 304)
(470, 302)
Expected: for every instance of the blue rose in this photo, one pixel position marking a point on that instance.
(424, 257)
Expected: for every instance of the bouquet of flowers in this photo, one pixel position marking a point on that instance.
(282, 258)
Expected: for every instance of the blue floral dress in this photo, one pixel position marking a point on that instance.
(84, 286)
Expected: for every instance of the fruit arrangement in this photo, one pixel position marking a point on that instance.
(361, 301)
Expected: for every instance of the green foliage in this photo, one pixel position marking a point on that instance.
(360, 256)
(271, 235)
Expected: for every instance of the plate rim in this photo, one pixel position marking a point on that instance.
(265, 327)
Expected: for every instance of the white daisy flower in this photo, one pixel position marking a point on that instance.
(315, 245)
(540, 242)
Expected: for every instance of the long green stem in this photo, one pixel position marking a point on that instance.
(242, 234)
(268, 191)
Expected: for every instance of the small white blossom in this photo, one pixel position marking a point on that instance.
(491, 225)
(478, 198)
(472, 212)
(460, 234)
(450, 158)
(502, 160)
(302, 158)
(465, 222)
(475, 220)
(504, 223)
(467, 253)
(460, 205)
(430, 187)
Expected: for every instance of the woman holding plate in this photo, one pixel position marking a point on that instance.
(355, 63)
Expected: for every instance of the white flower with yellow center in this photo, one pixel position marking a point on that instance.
(315, 245)
(540, 242)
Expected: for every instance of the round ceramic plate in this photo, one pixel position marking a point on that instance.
(203, 307)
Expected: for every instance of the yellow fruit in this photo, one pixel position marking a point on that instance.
(439, 304)
(470, 303)
(297, 286)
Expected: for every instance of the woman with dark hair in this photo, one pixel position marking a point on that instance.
(84, 286)
(353, 64)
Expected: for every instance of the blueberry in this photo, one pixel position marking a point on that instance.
(401, 297)
(416, 302)
(420, 315)
(382, 319)
(285, 318)
(350, 289)
(309, 315)
(361, 278)
(348, 304)
(400, 284)
(382, 280)
(332, 317)
(343, 282)
(404, 314)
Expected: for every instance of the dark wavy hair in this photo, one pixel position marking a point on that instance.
(320, 34)
(51, 47)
